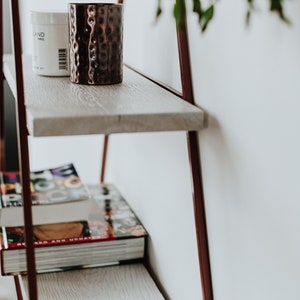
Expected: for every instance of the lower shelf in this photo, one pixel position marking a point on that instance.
(122, 282)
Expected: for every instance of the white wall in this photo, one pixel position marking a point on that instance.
(247, 80)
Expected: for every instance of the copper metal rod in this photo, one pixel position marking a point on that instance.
(23, 152)
(2, 107)
(105, 146)
(2, 128)
(104, 156)
(17, 279)
(199, 211)
(195, 165)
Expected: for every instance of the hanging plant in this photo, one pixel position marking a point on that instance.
(205, 14)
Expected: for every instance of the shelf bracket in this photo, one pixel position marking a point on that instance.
(195, 163)
(2, 108)
(195, 166)
(23, 151)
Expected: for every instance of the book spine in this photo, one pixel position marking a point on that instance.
(69, 241)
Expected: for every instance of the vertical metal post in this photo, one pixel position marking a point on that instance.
(2, 108)
(104, 155)
(195, 165)
(105, 145)
(23, 151)
(17, 279)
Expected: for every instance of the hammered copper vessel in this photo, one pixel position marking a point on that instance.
(96, 43)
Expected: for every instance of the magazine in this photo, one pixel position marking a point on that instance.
(111, 235)
(57, 195)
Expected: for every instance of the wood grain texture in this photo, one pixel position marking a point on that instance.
(125, 282)
(55, 106)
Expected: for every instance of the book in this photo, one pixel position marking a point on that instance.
(112, 235)
(57, 195)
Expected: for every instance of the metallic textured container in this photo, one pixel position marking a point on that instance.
(96, 43)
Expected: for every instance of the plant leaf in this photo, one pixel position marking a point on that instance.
(197, 7)
(158, 9)
(276, 6)
(206, 17)
(179, 12)
(249, 11)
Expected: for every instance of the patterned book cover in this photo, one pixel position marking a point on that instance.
(49, 186)
(51, 190)
(111, 234)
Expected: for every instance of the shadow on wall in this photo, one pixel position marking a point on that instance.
(11, 144)
(216, 148)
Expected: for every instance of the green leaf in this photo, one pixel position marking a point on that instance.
(249, 11)
(158, 9)
(251, 3)
(276, 6)
(206, 17)
(248, 17)
(197, 7)
(179, 12)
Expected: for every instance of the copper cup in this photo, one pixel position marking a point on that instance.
(96, 43)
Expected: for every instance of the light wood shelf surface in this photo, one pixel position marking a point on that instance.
(123, 282)
(57, 107)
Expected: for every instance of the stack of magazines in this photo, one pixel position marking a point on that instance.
(110, 234)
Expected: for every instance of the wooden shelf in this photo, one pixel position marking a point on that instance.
(57, 107)
(124, 282)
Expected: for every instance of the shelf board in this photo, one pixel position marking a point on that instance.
(55, 106)
(123, 282)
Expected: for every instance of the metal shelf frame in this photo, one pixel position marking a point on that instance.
(22, 133)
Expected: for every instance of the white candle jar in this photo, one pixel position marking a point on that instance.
(50, 53)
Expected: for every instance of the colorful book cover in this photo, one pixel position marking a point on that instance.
(56, 185)
(110, 219)
(57, 195)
